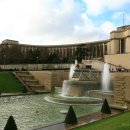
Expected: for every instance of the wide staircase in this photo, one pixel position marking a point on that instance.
(29, 81)
(119, 90)
(120, 84)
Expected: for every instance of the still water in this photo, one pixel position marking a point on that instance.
(33, 111)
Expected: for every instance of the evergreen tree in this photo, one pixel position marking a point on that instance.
(71, 116)
(105, 107)
(10, 125)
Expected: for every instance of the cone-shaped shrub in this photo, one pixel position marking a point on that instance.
(71, 116)
(105, 107)
(10, 125)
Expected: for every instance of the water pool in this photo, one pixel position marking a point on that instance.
(32, 111)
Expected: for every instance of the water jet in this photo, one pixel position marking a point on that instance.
(75, 90)
(106, 78)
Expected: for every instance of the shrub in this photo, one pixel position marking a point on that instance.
(24, 90)
(105, 107)
(10, 125)
(71, 116)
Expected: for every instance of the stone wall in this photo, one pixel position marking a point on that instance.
(44, 78)
(127, 91)
(120, 83)
(50, 79)
(128, 104)
(119, 89)
(119, 59)
(58, 76)
(101, 95)
(33, 67)
(122, 89)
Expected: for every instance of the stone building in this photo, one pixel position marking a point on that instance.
(118, 47)
(115, 50)
(88, 50)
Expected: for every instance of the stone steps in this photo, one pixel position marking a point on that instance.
(36, 87)
(119, 90)
(27, 78)
(22, 72)
(30, 81)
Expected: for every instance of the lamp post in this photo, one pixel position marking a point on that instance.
(61, 62)
(4, 61)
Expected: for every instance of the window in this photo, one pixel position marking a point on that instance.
(122, 45)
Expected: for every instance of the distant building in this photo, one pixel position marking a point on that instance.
(115, 50)
(88, 50)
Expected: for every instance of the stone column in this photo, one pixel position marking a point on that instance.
(96, 51)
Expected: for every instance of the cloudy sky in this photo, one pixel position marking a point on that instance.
(61, 21)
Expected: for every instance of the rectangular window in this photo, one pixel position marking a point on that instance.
(122, 46)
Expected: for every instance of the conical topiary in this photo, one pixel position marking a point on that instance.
(105, 107)
(10, 125)
(71, 116)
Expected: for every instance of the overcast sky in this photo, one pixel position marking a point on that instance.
(61, 21)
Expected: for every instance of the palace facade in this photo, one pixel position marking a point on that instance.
(118, 48)
(115, 50)
(88, 50)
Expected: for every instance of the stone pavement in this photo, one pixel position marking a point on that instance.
(81, 121)
(57, 126)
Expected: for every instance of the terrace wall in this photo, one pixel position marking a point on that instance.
(50, 79)
(122, 89)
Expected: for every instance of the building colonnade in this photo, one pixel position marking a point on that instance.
(84, 51)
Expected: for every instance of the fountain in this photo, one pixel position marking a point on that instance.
(106, 78)
(75, 90)
(72, 69)
(78, 83)
(33, 112)
(106, 90)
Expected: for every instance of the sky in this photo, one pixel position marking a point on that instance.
(54, 22)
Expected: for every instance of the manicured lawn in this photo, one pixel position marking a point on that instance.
(9, 84)
(118, 122)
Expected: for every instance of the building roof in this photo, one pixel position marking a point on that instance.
(8, 41)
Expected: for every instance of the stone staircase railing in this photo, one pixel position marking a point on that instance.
(98, 65)
(87, 74)
(29, 81)
(28, 89)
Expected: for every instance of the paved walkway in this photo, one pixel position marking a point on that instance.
(15, 94)
(58, 126)
(81, 121)
(21, 94)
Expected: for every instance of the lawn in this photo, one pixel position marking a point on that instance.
(9, 83)
(118, 122)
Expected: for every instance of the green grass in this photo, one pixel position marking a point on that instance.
(9, 83)
(118, 122)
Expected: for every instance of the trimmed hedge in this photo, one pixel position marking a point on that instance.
(10, 125)
(71, 116)
(105, 107)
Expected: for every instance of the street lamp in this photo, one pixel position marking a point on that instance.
(4, 61)
(61, 61)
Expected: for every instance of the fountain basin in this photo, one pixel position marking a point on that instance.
(78, 88)
(32, 111)
(109, 95)
(68, 100)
